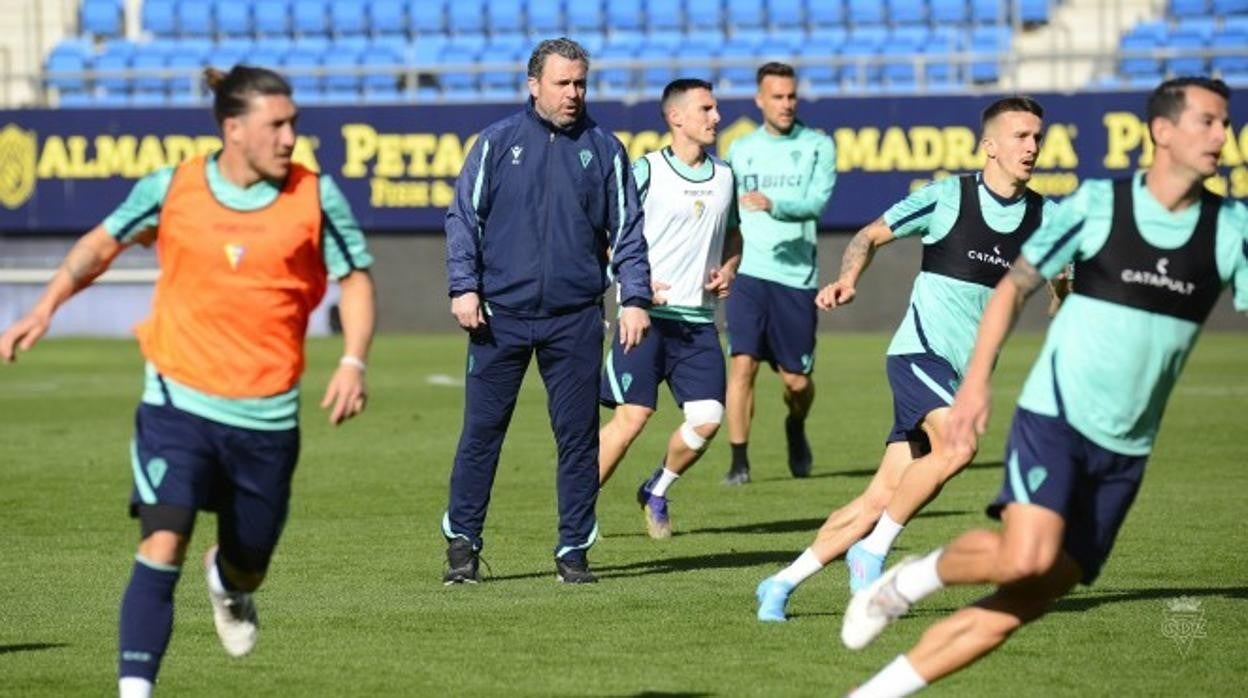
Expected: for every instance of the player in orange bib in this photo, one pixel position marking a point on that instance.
(246, 241)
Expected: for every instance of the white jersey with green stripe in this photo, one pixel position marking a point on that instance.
(342, 246)
(797, 171)
(688, 212)
(1114, 365)
(944, 313)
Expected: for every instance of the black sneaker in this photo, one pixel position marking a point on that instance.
(573, 571)
(462, 563)
(800, 457)
(737, 476)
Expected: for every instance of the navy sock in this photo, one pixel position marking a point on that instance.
(740, 457)
(146, 620)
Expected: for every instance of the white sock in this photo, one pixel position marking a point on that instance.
(919, 579)
(802, 568)
(896, 679)
(134, 687)
(882, 536)
(214, 579)
(666, 478)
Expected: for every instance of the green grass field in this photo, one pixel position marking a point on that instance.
(354, 603)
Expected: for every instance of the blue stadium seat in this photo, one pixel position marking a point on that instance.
(1034, 11)
(988, 11)
(427, 16)
(347, 17)
(745, 14)
(785, 44)
(500, 84)
(115, 57)
(1235, 63)
(585, 16)
(663, 15)
(188, 60)
(943, 12)
(902, 45)
(1142, 38)
(616, 80)
(863, 42)
(227, 54)
(1230, 7)
(343, 53)
(1189, 8)
(786, 14)
(148, 57)
(655, 77)
(382, 81)
(466, 16)
(387, 17)
(457, 82)
(271, 17)
(303, 57)
(992, 41)
(738, 77)
(264, 55)
(504, 16)
(308, 17)
(624, 15)
(823, 46)
(689, 52)
(939, 71)
(71, 56)
(704, 14)
(830, 13)
(194, 18)
(75, 99)
(865, 12)
(158, 17)
(1187, 39)
(101, 17)
(904, 12)
(545, 17)
(233, 17)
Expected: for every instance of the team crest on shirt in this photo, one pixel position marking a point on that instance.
(234, 254)
(699, 207)
(1036, 477)
(586, 156)
(795, 156)
(626, 380)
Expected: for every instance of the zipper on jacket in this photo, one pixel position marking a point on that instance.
(541, 235)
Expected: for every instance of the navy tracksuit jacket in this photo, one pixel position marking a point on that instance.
(538, 212)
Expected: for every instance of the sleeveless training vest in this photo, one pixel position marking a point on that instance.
(974, 252)
(231, 305)
(1182, 283)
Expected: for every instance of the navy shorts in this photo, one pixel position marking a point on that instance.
(772, 322)
(920, 383)
(685, 354)
(1050, 464)
(184, 461)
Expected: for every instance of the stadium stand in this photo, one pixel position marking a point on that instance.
(420, 50)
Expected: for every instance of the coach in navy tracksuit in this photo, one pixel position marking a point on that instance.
(544, 200)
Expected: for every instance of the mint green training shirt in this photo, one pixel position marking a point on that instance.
(947, 309)
(342, 246)
(796, 171)
(1115, 365)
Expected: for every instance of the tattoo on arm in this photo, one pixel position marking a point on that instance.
(1025, 277)
(857, 254)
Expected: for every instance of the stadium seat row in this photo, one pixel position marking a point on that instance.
(1225, 38)
(207, 18)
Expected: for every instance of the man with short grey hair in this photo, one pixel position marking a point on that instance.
(545, 201)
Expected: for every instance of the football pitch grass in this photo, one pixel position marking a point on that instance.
(354, 603)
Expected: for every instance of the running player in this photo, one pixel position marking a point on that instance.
(972, 227)
(1151, 255)
(690, 227)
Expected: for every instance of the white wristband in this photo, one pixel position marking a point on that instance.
(355, 361)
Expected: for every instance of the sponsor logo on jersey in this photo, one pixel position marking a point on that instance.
(994, 258)
(516, 150)
(1158, 279)
(17, 166)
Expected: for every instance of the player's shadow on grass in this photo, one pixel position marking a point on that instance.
(1084, 602)
(799, 525)
(660, 694)
(672, 565)
(31, 647)
(870, 472)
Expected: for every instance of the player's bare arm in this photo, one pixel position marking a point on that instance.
(346, 395)
(854, 261)
(90, 256)
(968, 418)
(720, 279)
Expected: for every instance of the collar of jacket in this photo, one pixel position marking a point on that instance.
(573, 131)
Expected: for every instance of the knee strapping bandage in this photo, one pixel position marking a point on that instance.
(698, 413)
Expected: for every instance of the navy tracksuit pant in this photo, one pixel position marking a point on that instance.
(569, 357)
